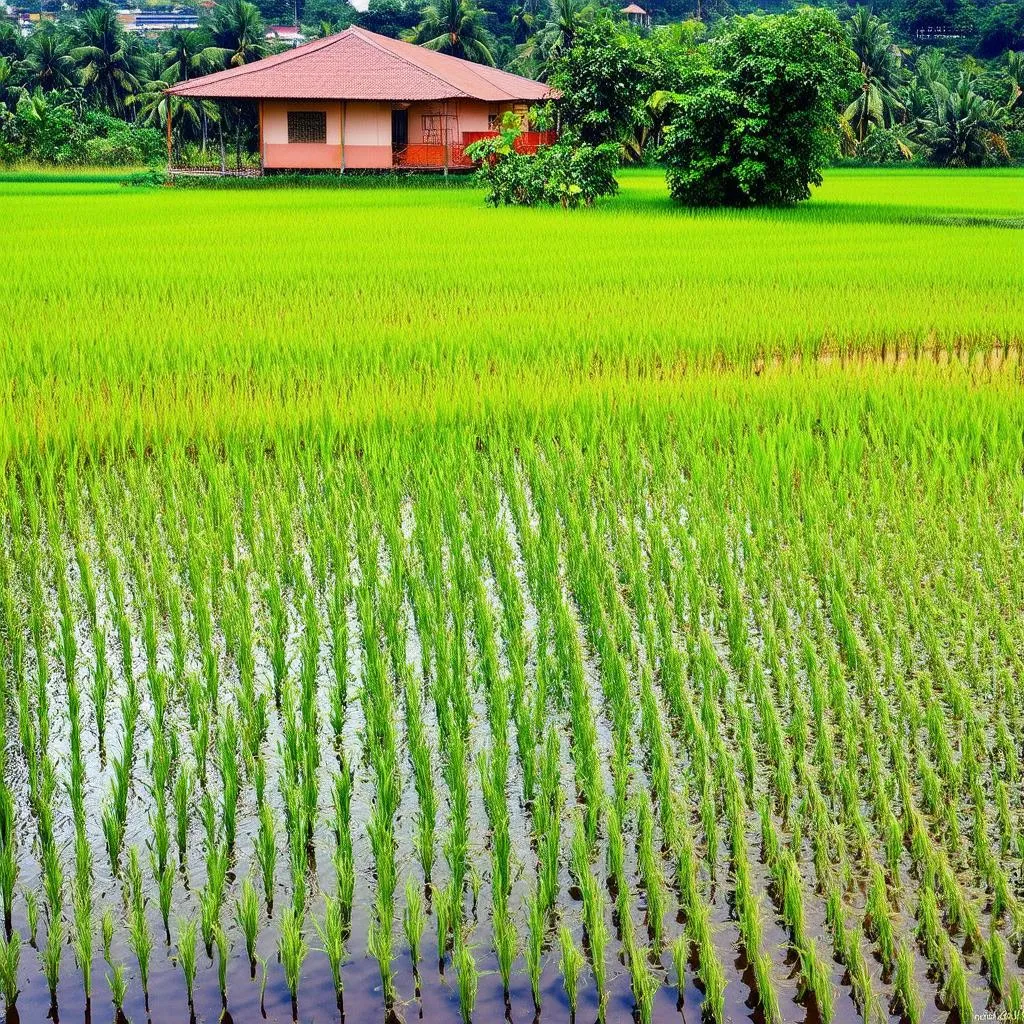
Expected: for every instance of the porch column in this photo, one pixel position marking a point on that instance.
(344, 108)
(261, 136)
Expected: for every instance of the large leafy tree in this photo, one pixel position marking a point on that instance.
(878, 100)
(757, 118)
(455, 27)
(606, 78)
(111, 64)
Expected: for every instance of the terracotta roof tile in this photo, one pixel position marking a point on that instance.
(360, 65)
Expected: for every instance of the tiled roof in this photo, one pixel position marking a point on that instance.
(360, 65)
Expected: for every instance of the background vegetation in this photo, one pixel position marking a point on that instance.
(950, 101)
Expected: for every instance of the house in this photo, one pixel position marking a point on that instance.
(153, 23)
(360, 100)
(291, 35)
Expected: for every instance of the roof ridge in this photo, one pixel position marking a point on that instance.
(371, 38)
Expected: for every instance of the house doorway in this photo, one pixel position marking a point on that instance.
(399, 129)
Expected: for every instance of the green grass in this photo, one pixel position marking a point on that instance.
(161, 305)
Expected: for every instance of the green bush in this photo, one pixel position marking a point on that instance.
(756, 121)
(568, 173)
(50, 133)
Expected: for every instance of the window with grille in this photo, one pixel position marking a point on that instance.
(307, 126)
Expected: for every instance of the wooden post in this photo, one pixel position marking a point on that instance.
(444, 135)
(169, 158)
(344, 106)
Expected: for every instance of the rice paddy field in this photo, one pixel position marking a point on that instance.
(410, 610)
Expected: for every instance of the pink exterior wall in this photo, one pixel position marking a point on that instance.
(367, 134)
(367, 129)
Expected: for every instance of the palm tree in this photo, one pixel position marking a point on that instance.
(564, 20)
(455, 27)
(521, 22)
(239, 33)
(110, 62)
(963, 130)
(878, 101)
(188, 53)
(48, 62)
(10, 90)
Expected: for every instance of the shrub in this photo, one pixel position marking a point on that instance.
(567, 173)
(757, 120)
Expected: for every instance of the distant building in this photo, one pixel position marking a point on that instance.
(360, 100)
(152, 23)
(637, 15)
(291, 35)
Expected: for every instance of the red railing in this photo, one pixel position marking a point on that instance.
(430, 155)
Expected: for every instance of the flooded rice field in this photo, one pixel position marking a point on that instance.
(523, 730)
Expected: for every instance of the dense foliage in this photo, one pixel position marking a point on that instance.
(931, 103)
(756, 119)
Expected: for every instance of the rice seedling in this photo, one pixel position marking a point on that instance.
(247, 913)
(140, 938)
(223, 952)
(468, 979)
(118, 983)
(906, 996)
(32, 915)
(571, 965)
(332, 935)
(50, 957)
(107, 932)
(83, 942)
(292, 949)
(414, 921)
(10, 957)
(187, 956)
